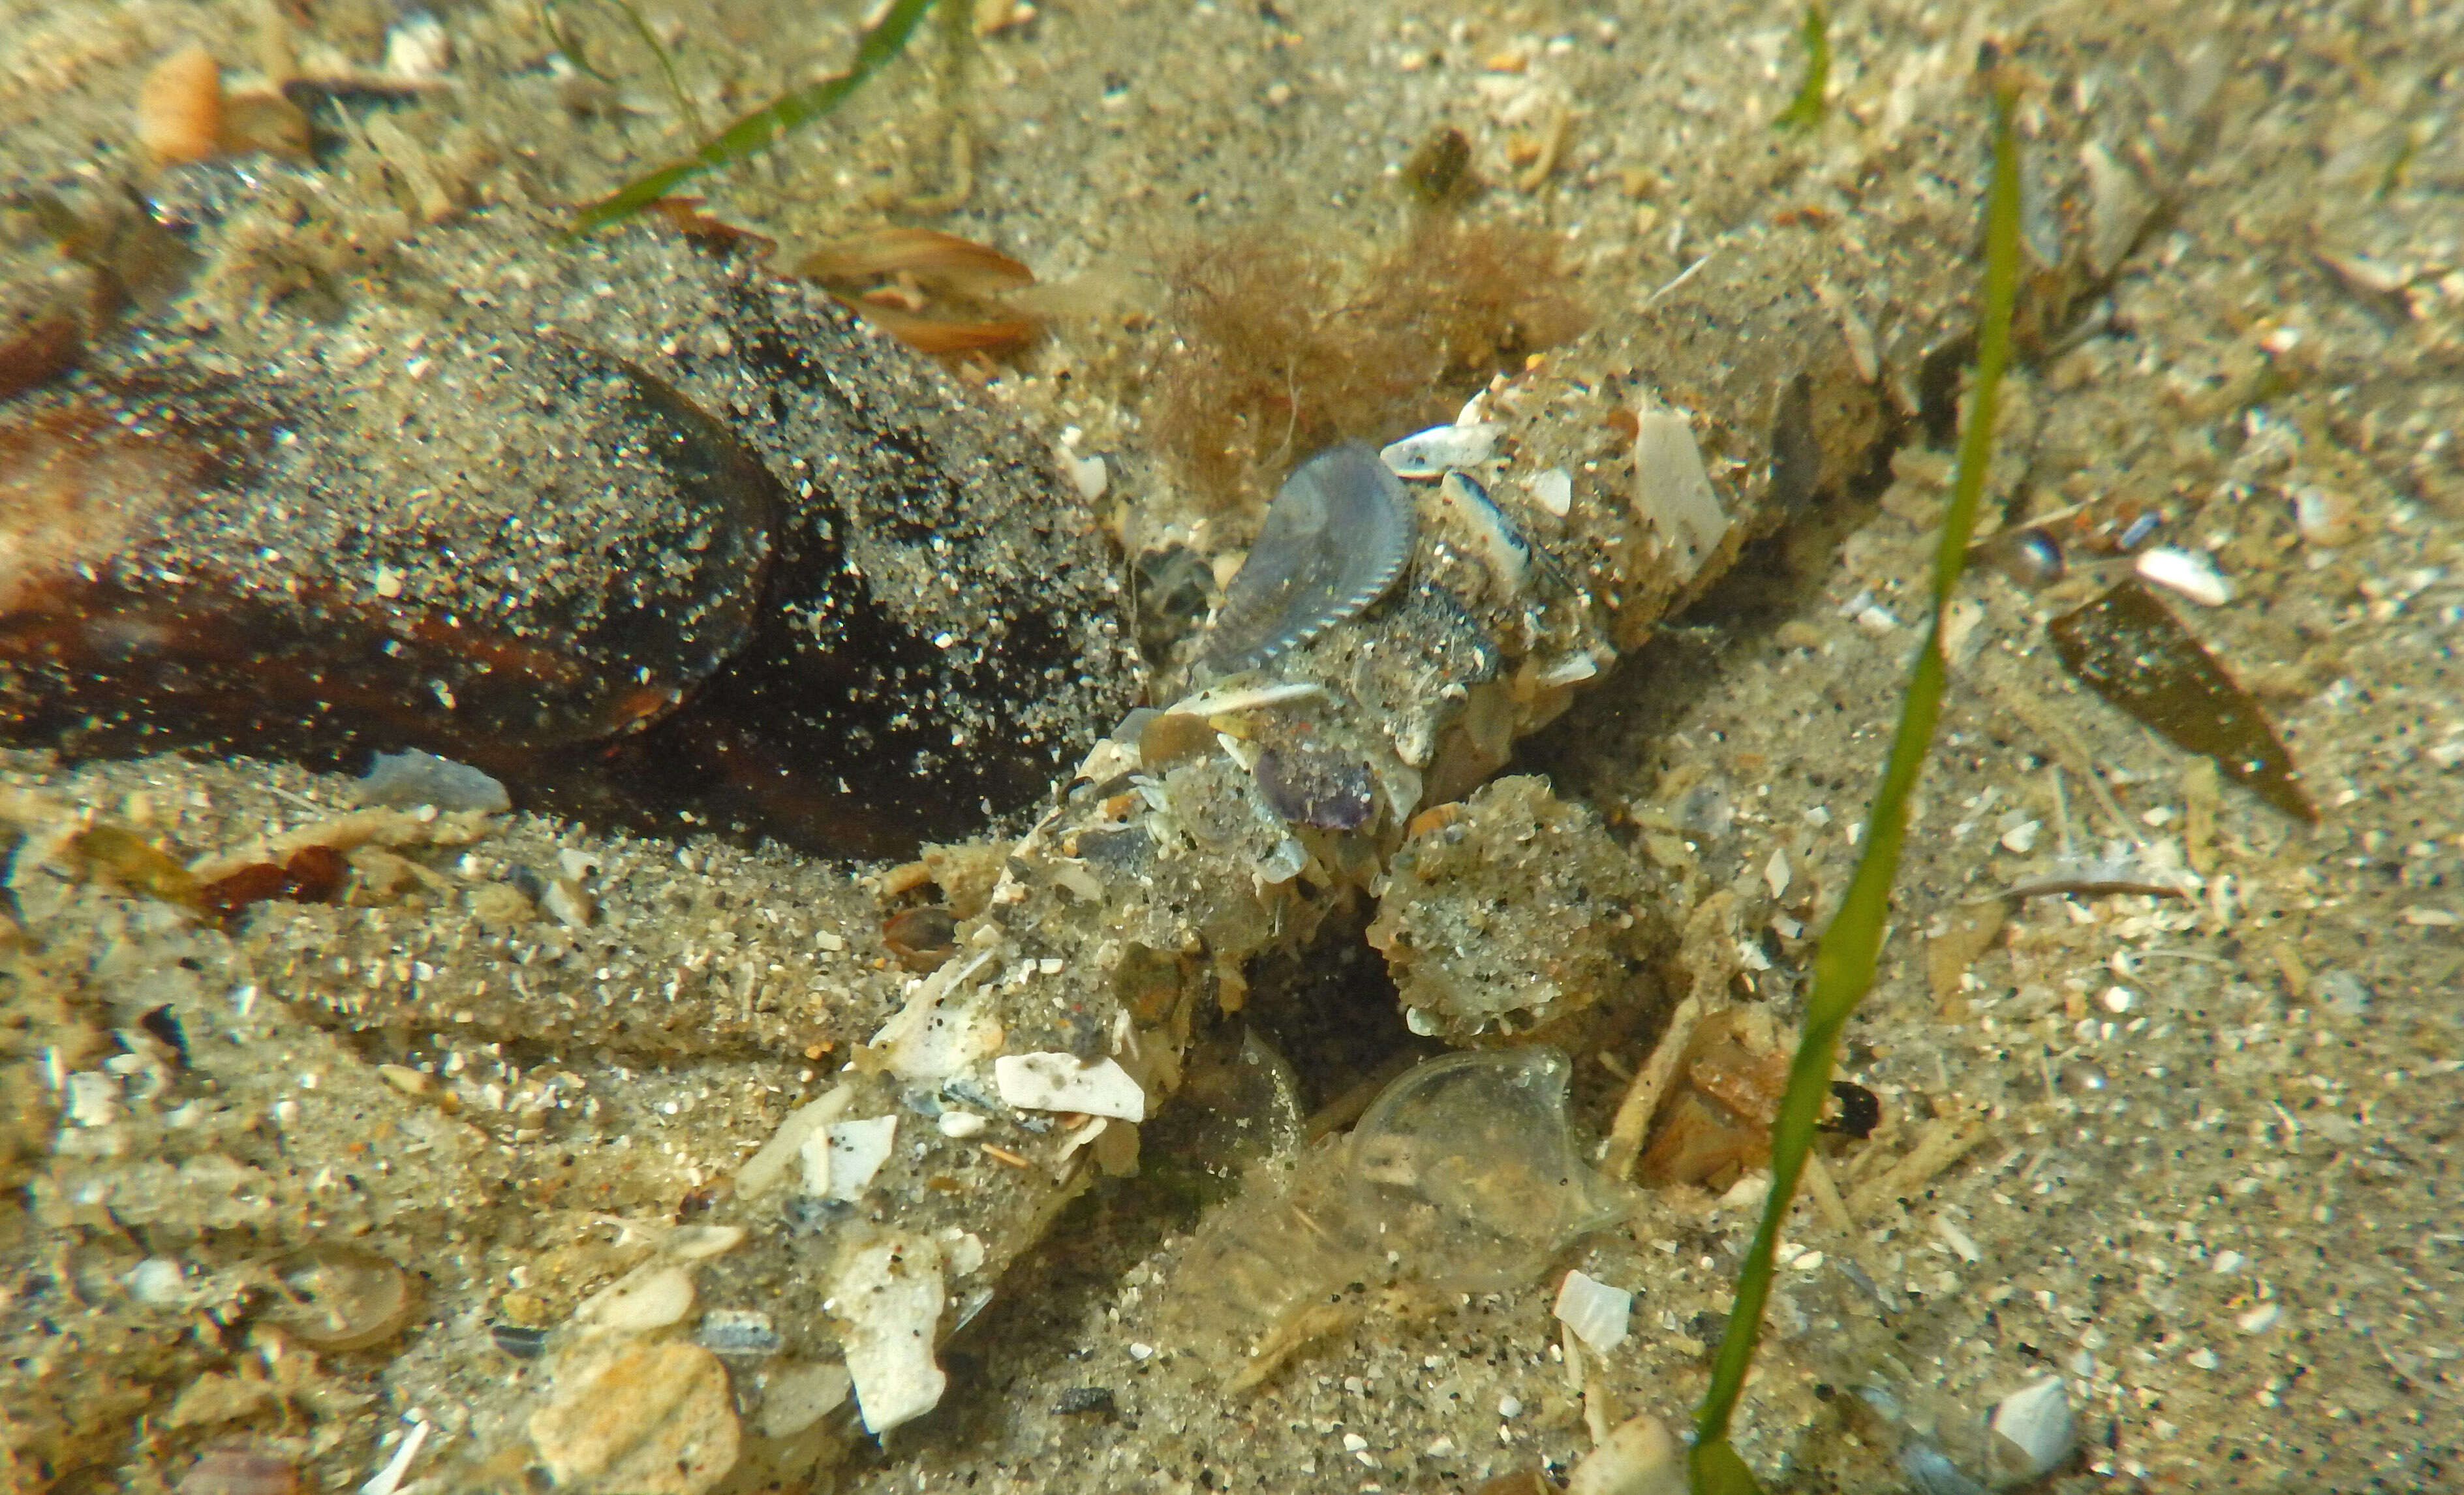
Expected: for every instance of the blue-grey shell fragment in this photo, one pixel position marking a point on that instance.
(1333, 540)
(1501, 544)
(416, 778)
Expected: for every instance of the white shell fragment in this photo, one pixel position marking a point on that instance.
(767, 1168)
(417, 48)
(961, 1125)
(889, 1296)
(1442, 449)
(841, 1159)
(945, 1026)
(1086, 474)
(2187, 572)
(1672, 490)
(2035, 1420)
(1064, 1081)
(1596, 1312)
(1333, 540)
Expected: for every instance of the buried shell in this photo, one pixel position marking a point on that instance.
(1333, 540)
(759, 571)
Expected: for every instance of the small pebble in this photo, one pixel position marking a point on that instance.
(641, 1301)
(657, 1419)
(2324, 516)
(1552, 489)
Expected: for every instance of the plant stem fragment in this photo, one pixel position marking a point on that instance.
(765, 126)
(1845, 959)
(1805, 111)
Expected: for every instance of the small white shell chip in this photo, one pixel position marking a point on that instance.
(1440, 450)
(2187, 572)
(1064, 1081)
(839, 1160)
(1596, 1312)
(2036, 1422)
(1553, 490)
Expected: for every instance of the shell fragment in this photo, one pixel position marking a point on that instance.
(1064, 1081)
(1441, 450)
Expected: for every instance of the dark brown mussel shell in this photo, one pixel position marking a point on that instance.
(656, 539)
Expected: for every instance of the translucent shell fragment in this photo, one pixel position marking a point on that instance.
(1462, 1176)
(1469, 1163)
(1333, 540)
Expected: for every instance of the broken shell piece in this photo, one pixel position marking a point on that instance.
(798, 1396)
(767, 1168)
(1494, 536)
(1442, 449)
(737, 1331)
(417, 48)
(2033, 1428)
(890, 1295)
(1333, 540)
(1672, 490)
(1064, 1081)
(2185, 572)
(1597, 1313)
(947, 1025)
(405, 779)
(839, 1160)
